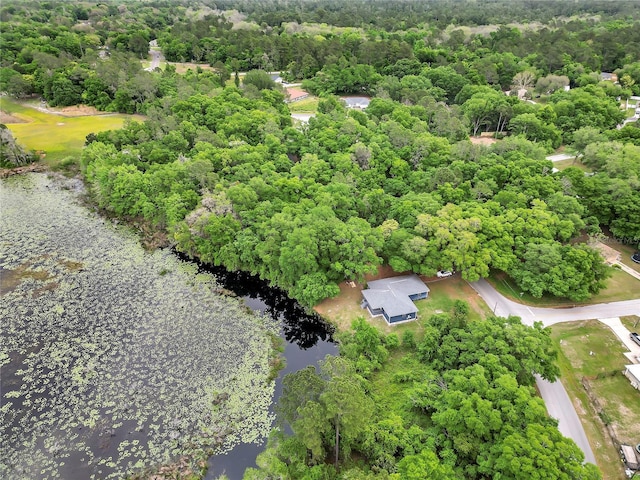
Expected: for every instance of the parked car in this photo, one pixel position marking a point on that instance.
(636, 257)
(635, 337)
(444, 273)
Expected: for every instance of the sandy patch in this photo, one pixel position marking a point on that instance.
(32, 167)
(485, 138)
(8, 118)
(610, 255)
(75, 111)
(345, 307)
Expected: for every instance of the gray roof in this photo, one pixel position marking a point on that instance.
(392, 294)
(634, 370)
(356, 102)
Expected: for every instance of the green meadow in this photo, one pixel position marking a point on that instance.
(57, 136)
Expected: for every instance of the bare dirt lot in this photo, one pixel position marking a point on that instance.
(73, 111)
(485, 138)
(8, 118)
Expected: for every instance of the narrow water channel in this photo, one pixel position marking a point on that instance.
(307, 341)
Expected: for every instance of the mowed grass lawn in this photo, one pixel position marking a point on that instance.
(589, 348)
(343, 309)
(56, 136)
(306, 105)
(563, 164)
(620, 286)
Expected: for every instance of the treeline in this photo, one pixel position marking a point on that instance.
(52, 48)
(224, 171)
(565, 47)
(458, 402)
(406, 14)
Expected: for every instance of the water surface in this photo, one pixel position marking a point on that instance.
(114, 358)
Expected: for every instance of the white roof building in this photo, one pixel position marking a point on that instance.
(632, 372)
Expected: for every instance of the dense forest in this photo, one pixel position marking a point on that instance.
(221, 168)
(458, 403)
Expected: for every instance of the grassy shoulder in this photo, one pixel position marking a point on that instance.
(620, 286)
(632, 322)
(57, 134)
(626, 249)
(590, 349)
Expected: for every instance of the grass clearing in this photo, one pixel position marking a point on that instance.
(57, 136)
(564, 164)
(306, 105)
(621, 402)
(343, 309)
(632, 322)
(577, 340)
(620, 286)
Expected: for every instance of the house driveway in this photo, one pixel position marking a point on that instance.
(622, 333)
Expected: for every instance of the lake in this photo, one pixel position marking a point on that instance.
(114, 358)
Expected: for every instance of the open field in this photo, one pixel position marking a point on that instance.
(306, 105)
(563, 164)
(58, 134)
(589, 348)
(620, 286)
(345, 308)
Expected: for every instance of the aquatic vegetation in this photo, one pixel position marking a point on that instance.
(114, 359)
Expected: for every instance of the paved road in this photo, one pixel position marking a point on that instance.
(560, 407)
(156, 56)
(560, 156)
(554, 394)
(503, 307)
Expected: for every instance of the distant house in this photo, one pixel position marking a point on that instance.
(609, 77)
(632, 372)
(393, 298)
(295, 94)
(358, 103)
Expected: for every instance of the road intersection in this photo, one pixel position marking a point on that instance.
(554, 394)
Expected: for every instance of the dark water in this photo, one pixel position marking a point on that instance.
(307, 341)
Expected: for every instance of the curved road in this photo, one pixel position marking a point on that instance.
(503, 307)
(554, 394)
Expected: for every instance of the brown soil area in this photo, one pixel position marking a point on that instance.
(8, 118)
(33, 167)
(344, 308)
(485, 138)
(74, 111)
(610, 255)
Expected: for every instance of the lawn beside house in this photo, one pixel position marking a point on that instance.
(344, 308)
(589, 348)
